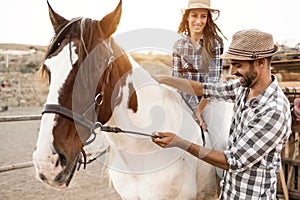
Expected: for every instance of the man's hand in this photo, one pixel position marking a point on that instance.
(158, 78)
(168, 139)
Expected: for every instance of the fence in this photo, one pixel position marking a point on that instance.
(290, 155)
(12, 119)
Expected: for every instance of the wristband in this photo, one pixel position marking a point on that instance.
(203, 152)
(184, 144)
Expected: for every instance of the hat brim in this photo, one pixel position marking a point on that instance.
(215, 13)
(230, 56)
(203, 7)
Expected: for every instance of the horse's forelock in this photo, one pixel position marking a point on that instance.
(43, 73)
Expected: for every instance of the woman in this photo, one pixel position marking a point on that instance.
(196, 56)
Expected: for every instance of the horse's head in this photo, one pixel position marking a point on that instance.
(84, 67)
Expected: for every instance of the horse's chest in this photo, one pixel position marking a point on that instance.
(156, 184)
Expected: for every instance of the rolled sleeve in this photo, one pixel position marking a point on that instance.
(257, 140)
(221, 91)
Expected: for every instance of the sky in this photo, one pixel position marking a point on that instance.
(27, 21)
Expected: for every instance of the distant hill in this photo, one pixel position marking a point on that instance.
(20, 57)
(23, 47)
(27, 58)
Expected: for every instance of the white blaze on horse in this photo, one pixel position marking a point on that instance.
(94, 85)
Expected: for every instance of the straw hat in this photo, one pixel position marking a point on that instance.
(199, 4)
(250, 45)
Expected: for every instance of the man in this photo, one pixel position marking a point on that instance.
(261, 121)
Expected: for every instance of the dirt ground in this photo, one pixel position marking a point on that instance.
(16, 146)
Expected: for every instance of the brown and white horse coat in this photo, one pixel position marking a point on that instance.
(83, 61)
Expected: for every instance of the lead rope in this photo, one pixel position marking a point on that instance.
(119, 130)
(196, 119)
(82, 159)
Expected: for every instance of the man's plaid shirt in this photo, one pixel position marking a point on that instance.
(259, 130)
(187, 64)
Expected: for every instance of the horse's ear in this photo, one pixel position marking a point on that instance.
(110, 22)
(56, 20)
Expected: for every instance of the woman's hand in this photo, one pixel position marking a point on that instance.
(201, 107)
(202, 124)
(201, 121)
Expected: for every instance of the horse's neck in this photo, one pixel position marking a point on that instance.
(159, 109)
(126, 118)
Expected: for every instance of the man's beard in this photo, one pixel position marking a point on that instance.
(248, 78)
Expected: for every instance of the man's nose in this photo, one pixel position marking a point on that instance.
(233, 70)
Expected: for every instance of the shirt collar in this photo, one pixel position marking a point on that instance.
(265, 95)
(189, 38)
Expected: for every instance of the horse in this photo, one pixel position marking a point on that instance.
(101, 100)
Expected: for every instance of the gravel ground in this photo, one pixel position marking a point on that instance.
(16, 146)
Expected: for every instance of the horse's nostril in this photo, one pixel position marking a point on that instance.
(60, 178)
(63, 160)
(57, 163)
(42, 177)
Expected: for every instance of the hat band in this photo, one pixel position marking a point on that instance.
(200, 5)
(250, 54)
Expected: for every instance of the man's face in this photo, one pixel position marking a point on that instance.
(245, 71)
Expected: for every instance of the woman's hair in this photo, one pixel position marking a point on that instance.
(210, 32)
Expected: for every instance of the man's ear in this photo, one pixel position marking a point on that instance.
(261, 62)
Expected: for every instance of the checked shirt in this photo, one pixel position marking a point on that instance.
(259, 130)
(187, 64)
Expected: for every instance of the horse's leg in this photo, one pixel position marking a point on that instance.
(206, 179)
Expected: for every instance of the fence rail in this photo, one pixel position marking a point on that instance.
(15, 166)
(14, 119)
(19, 118)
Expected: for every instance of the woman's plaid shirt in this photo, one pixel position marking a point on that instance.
(259, 130)
(187, 64)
